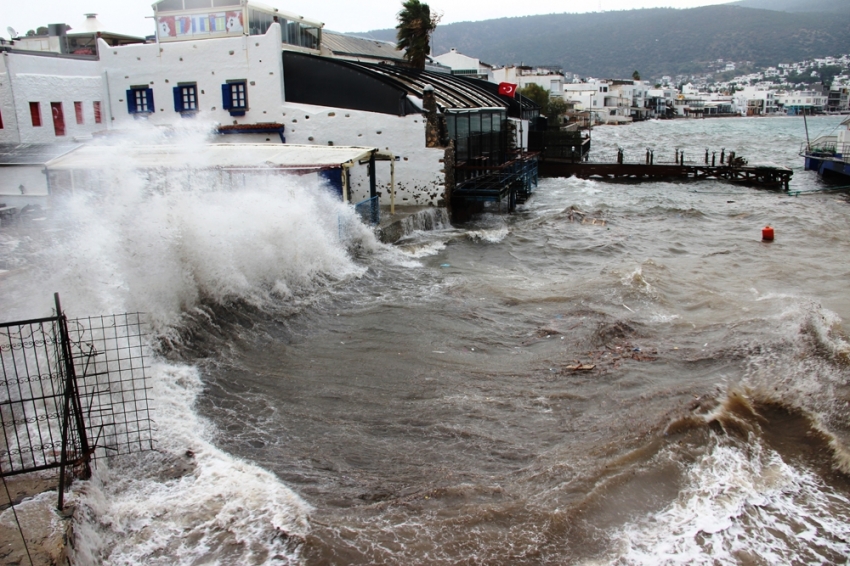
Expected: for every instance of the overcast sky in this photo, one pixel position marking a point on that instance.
(128, 16)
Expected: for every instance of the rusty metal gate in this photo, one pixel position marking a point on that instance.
(72, 391)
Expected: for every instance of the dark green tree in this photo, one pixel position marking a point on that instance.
(538, 95)
(551, 107)
(415, 26)
(557, 108)
(636, 76)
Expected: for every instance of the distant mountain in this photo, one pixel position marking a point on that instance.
(796, 5)
(655, 42)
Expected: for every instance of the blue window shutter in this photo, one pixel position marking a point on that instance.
(178, 100)
(226, 97)
(131, 102)
(149, 96)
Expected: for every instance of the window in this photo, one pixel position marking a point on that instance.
(300, 34)
(186, 98)
(98, 117)
(234, 95)
(140, 100)
(35, 114)
(78, 111)
(169, 5)
(58, 118)
(259, 21)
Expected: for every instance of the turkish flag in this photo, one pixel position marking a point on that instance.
(507, 89)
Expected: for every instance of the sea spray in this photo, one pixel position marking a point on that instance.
(126, 246)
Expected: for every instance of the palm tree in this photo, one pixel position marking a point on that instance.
(415, 26)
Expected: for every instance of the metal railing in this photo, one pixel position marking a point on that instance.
(827, 147)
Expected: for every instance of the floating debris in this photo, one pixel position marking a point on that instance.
(581, 367)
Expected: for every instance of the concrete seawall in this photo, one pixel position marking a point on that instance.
(407, 220)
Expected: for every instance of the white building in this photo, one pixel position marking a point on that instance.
(465, 65)
(78, 40)
(48, 99)
(756, 101)
(802, 101)
(551, 81)
(612, 101)
(265, 76)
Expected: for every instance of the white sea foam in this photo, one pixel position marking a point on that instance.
(224, 510)
(419, 249)
(742, 506)
(489, 236)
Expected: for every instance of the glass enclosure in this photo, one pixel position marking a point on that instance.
(212, 18)
(478, 134)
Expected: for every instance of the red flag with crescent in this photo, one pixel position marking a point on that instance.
(507, 89)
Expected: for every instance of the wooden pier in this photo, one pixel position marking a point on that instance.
(758, 175)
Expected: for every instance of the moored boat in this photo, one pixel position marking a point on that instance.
(829, 155)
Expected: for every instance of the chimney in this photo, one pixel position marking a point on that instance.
(58, 31)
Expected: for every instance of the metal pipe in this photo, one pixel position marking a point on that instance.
(392, 186)
(346, 180)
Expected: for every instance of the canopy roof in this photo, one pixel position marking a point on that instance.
(343, 45)
(389, 89)
(33, 153)
(211, 156)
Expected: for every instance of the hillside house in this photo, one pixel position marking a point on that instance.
(756, 101)
(838, 98)
(796, 102)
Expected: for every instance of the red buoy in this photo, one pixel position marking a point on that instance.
(767, 234)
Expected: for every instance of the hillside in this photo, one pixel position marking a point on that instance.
(797, 5)
(656, 42)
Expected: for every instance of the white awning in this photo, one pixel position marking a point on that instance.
(210, 156)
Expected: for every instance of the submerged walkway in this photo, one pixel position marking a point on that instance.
(735, 170)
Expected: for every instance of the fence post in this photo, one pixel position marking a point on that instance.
(71, 395)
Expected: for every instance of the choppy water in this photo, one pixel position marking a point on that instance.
(349, 403)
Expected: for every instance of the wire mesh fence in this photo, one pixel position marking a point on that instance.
(32, 396)
(369, 210)
(72, 391)
(109, 360)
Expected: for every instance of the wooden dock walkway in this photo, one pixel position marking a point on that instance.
(759, 175)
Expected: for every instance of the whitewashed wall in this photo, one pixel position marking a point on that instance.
(209, 63)
(9, 133)
(46, 79)
(419, 174)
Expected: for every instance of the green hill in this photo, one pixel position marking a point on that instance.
(656, 42)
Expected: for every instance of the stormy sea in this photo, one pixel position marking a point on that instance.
(616, 373)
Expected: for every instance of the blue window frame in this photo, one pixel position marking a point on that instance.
(234, 96)
(140, 100)
(186, 98)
